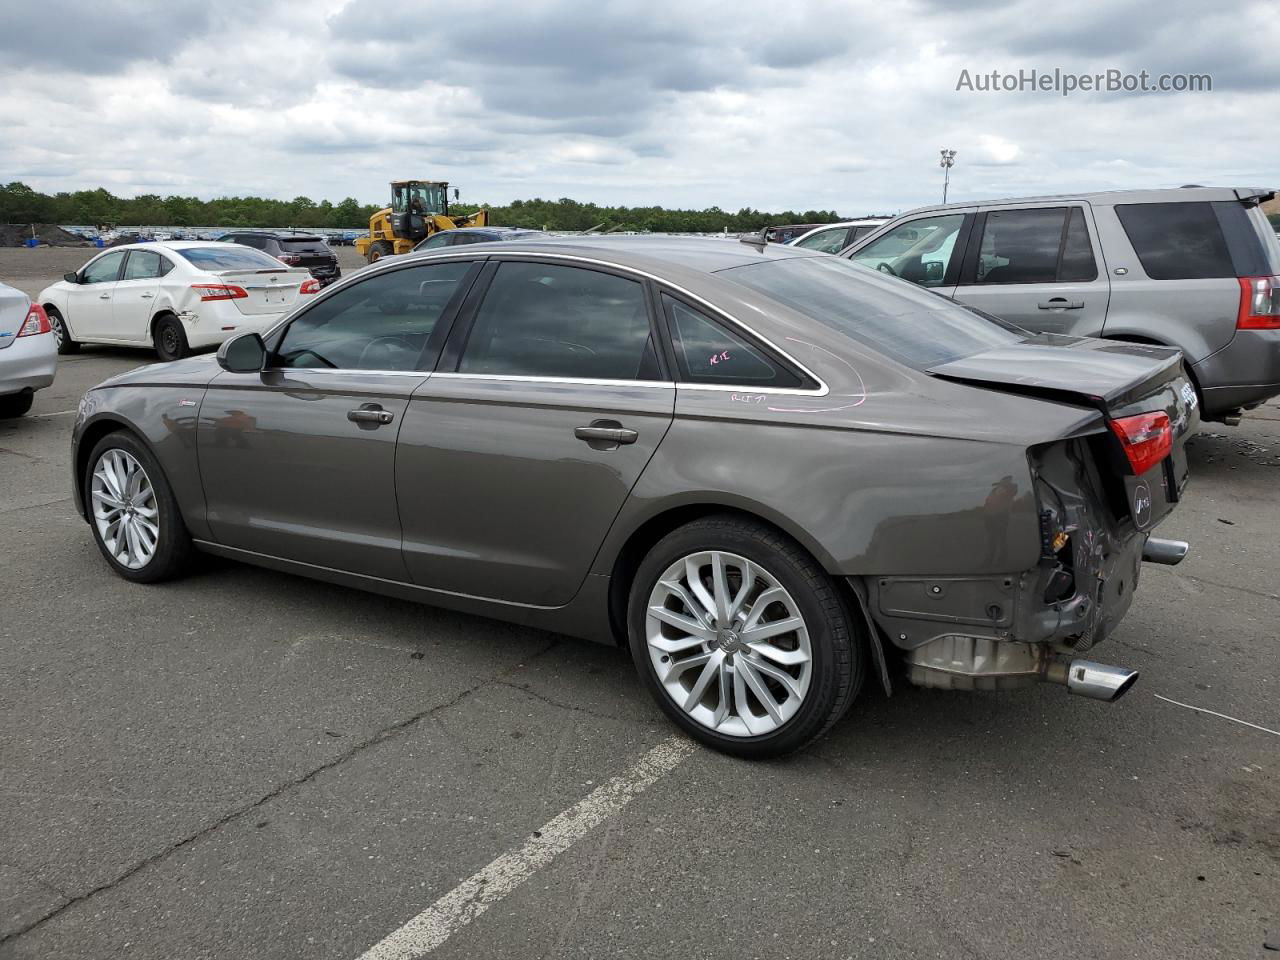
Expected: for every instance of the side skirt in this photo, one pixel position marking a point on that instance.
(585, 616)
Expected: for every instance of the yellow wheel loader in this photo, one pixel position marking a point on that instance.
(418, 209)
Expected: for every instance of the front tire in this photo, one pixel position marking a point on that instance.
(742, 638)
(377, 250)
(61, 334)
(170, 339)
(133, 512)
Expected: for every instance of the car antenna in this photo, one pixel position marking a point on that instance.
(756, 239)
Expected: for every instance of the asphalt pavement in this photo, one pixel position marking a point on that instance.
(248, 764)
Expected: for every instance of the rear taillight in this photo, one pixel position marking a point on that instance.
(37, 321)
(310, 286)
(220, 291)
(1259, 303)
(292, 259)
(1147, 439)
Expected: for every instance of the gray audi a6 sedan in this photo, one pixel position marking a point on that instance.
(768, 471)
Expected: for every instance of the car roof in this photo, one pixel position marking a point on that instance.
(1108, 197)
(174, 245)
(496, 229)
(700, 254)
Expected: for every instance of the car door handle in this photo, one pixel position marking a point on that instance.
(1061, 303)
(104, 296)
(370, 413)
(606, 431)
(147, 296)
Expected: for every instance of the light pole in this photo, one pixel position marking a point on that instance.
(947, 162)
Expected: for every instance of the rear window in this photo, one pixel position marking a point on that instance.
(910, 324)
(229, 257)
(301, 243)
(1177, 241)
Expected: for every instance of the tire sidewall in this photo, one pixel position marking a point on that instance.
(744, 539)
(61, 333)
(174, 542)
(180, 351)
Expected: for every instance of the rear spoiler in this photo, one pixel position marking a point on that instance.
(1254, 195)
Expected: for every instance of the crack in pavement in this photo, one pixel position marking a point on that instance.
(1226, 586)
(556, 703)
(380, 736)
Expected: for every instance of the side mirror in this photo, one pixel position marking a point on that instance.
(71, 277)
(243, 354)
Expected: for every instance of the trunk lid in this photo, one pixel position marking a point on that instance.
(1120, 380)
(14, 305)
(270, 291)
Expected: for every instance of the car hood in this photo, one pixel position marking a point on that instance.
(1103, 373)
(193, 371)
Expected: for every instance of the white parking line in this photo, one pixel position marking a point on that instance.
(469, 899)
(59, 413)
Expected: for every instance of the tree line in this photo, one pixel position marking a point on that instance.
(19, 203)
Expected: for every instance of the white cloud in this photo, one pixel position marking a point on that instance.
(809, 105)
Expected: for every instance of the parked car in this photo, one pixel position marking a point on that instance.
(176, 296)
(763, 468)
(789, 231)
(28, 352)
(297, 250)
(834, 237)
(464, 235)
(1193, 268)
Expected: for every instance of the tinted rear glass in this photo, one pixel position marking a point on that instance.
(302, 243)
(1176, 241)
(229, 257)
(908, 323)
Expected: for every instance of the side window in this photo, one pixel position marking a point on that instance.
(249, 240)
(1176, 241)
(1077, 263)
(103, 270)
(441, 239)
(165, 266)
(542, 320)
(142, 265)
(381, 324)
(918, 250)
(707, 352)
(860, 232)
(1021, 246)
(826, 241)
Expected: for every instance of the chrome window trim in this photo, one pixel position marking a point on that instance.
(351, 372)
(572, 381)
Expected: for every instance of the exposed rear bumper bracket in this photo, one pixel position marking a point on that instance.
(1167, 552)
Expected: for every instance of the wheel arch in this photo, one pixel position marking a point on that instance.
(94, 431)
(646, 533)
(1154, 342)
(160, 314)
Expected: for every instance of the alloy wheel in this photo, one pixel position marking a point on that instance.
(728, 644)
(59, 334)
(125, 511)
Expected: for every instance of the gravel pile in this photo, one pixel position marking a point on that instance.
(50, 234)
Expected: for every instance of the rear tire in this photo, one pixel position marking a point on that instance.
(132, 511)
(170, 339)
(810, 674)
(377, 250)
(16, 404)
(60, 332)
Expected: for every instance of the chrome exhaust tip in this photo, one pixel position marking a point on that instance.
(1168, 552)
(1085, 678)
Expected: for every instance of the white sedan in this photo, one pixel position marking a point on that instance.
(28, 354)
(177, 296)
(834, 237)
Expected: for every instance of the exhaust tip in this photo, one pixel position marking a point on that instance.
(1168, 552)
(1099, 681)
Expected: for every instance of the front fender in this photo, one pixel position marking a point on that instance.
(165, 418)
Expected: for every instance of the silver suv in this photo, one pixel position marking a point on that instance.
(1197, 268)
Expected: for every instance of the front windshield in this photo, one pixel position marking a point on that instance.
(914, 326)
(419, 198)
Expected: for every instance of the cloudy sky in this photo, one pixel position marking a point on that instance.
(805, 104)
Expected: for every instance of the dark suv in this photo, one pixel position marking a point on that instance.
(295, 249)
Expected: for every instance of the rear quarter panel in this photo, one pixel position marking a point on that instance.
(863, 499)
(1196, 316)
